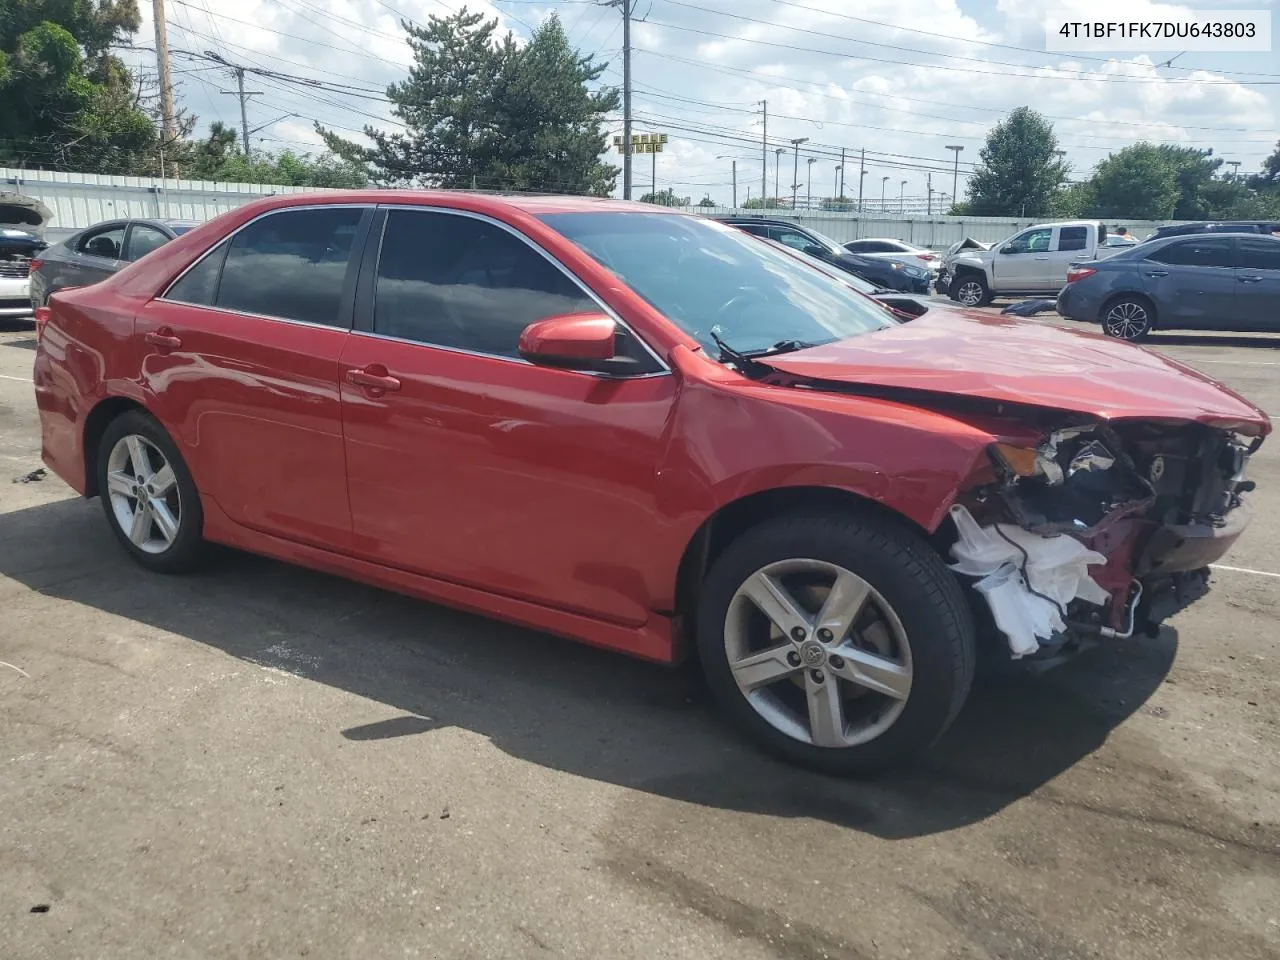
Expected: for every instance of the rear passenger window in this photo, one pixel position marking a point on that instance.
(1259, 254)
(199, 285)
(1207, 252)
(291, 264)
(456, 281)
(1072, 238)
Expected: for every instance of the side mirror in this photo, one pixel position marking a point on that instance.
(814, 250)
(577, 341)
(1008, 248)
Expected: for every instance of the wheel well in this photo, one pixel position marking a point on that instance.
(970, 271)
(1130, 295)
(95, 425)
(736, 518)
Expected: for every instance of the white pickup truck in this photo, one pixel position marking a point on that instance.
(1030, 263)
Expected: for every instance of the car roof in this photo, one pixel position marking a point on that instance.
(177, 222)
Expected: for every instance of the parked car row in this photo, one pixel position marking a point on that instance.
(639, 428)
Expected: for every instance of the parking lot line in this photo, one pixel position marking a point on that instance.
(5, 376)
(1235, 363)
(1256, 573)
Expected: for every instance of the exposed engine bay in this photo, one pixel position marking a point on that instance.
(1100, 531)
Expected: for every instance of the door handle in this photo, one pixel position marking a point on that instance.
(373, 378)
(1158, 273)
(1249, 279)
(163, 338)
(1042, 258)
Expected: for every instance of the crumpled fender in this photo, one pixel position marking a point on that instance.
(730, 438)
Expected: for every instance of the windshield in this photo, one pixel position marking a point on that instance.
(707, 277)
(179, 230)
(852, 279)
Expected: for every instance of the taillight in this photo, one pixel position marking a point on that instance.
(926, 256)
(35, 264)
(42, 317)
(1079, 273)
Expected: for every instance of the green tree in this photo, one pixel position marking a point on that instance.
(218, 157)
(1138, 182)
(483, 111)
(1019, 170)
(706, 201)
(665, 198)
(1194, 169)
(1270, 170)
(65, 101)
(759, 203)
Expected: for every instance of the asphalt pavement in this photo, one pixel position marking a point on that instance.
(263, 762)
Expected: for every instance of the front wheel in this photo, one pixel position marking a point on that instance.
(148, 495)
(1128, 318)
(970, 290)
(840, 643)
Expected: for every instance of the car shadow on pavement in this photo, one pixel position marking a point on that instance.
(569, 707)
(1211, 340)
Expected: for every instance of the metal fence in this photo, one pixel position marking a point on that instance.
(79, 200)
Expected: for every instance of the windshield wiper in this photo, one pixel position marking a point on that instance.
(782, 346)
(745, 360)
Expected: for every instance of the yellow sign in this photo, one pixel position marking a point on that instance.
(643, 142)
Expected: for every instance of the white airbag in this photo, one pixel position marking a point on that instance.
(1011, 578)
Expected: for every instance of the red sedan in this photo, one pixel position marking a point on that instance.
(648, 431)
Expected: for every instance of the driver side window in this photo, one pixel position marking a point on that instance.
(1032, 241)
(797, 241)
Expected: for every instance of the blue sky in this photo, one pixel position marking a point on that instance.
(899, 80)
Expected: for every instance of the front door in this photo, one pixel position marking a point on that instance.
(1258, 283)
(1023, 263)
(470, 464)
(1193, 283)
(241, 354)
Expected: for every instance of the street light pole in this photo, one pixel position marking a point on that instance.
(795, 168)
(883, 181)
(902, 198)
(777, 168)
(835, 185)
(955, 173)
(808, 200)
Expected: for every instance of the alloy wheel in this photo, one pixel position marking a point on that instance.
(1127, 320)
(145, 500)
(818, 653)
(969, 293)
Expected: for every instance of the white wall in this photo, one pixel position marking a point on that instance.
(81, 199)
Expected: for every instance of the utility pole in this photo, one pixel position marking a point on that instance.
(862, 176)
(931, 194)
(240, 92)
(764, 151)
(955, 174)
(168, 123)
(840, 189)
(795, 169)
(626, 98)
(735, 184)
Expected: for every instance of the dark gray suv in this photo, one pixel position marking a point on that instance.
(1199, 282)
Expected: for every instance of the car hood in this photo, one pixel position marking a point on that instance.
(1006, 360)
(19, 212)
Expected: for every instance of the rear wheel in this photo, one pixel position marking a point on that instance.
(840, 643)
(970, 290)
(1128, 318)
(148, 495)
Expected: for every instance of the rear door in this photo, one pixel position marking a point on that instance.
(1069, 244)
(95, 256)
(1257, 305)
(1193, 283)
(474, 465)
(241, 356)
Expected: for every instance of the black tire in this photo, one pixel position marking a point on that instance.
(185, 550)
(923, 594)
(969, 279)
(1128, 317)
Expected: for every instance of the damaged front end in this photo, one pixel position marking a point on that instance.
(1100, 530)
